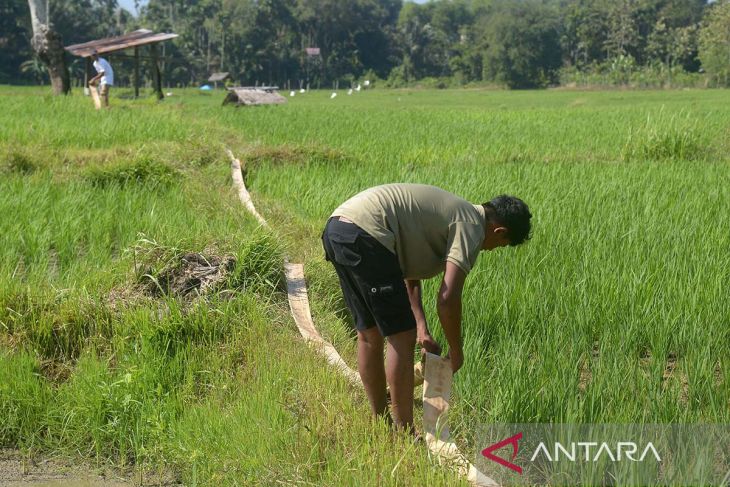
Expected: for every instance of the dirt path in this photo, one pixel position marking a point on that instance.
(18, 470)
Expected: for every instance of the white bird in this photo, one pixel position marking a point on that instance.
(169, 93)
(301, 90)
(349, 92)
(358, 87)
(367, 82)
(333, 95)
(292, 93)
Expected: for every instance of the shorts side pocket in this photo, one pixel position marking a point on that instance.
(344, 248)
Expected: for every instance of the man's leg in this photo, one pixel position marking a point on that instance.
(399, 370)
(372, 370)
(105, 95)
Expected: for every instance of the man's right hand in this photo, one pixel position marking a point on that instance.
(428, 344)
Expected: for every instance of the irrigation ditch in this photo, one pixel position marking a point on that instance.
(433, 372)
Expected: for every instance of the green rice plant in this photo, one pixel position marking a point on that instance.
(298, 155)
(142, 170)
(259, 266)
(615, 311)
(62, 331)
(667, 137)
(24, 395)
(18, 161)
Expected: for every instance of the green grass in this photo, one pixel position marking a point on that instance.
(628, 265)
(615, 311)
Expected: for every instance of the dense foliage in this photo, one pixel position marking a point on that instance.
(518, 43)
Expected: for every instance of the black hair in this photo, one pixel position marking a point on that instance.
(514, 214)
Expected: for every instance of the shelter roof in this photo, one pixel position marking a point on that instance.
(218, 76)
(139, 37)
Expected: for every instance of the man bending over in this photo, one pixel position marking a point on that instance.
(382, 243)
(104, 78)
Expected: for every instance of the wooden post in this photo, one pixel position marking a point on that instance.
(157, 78)
(87, 71)
(136, 72)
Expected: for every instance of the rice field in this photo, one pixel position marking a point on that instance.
(614, 312)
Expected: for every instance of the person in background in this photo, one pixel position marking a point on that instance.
(104, 77)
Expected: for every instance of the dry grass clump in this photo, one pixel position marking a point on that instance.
(172, 271)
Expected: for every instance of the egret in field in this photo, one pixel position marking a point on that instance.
(349, 92)
(333, 96)
(301, 90)
(358, 87)
(367, 82)
(292, 93)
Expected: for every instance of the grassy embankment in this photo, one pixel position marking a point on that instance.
(107, 352)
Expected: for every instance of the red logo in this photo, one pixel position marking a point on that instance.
(512, 440)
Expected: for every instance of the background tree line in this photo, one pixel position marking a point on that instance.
(517, 43)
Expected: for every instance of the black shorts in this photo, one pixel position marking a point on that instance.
(370, 278)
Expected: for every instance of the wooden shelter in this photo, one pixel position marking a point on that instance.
(251, 95)
(136, 39)
(216, 77)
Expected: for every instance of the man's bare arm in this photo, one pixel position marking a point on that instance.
(449, 311)
(96, 78)
(424, 336)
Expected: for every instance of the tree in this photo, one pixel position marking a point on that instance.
(14, 39)
(673, 45)
(425, 48)
(48, 45)
(522, 43)
(623, 32)
(523, 40)
(585, 24)
(714, 49)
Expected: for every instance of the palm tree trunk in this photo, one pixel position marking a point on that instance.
(48, 46)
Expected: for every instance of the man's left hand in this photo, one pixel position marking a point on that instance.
(429, 344)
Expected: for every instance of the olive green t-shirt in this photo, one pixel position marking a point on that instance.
(423, 225)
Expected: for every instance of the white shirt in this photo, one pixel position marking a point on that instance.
(102, 65)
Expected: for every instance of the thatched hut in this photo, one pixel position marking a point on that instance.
(265, 95)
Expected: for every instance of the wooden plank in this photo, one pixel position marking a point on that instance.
(437, 378)
(435, 371)
(94, 90)
(240, 186)
(299, 306)
(296, 287)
